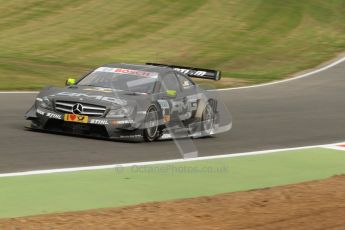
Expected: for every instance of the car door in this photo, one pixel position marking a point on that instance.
(188, 96)
(170, 85)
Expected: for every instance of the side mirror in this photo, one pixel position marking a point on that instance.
(171, 93)
(70, 81)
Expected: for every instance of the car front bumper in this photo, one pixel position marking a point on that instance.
(109, 128)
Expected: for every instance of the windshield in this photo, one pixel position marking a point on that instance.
(137, 81)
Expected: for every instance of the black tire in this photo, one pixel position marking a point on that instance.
(207, 120)
(151, 130)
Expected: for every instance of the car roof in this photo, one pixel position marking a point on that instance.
(148, 68)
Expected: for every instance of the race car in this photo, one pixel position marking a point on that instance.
(131, 102)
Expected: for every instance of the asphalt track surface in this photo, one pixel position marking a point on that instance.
(306, 111)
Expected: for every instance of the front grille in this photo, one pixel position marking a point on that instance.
(88, 109)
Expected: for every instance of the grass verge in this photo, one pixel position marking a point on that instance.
(251, 41)
(49, 193)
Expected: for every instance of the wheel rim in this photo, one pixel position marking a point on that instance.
(208, 119)
(152, 123)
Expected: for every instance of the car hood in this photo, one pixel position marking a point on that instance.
(108, 97)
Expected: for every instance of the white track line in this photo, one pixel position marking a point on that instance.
(334, 147)
(336, 62)
(113, 166)
(339, 146)
(17, 92)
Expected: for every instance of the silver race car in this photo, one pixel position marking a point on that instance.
(132, 102)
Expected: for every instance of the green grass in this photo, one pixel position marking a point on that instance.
(59, 192)
(251, 41)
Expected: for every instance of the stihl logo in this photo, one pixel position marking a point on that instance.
(53, 115)
(99, 122)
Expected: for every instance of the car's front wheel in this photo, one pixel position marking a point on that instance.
(151, 131)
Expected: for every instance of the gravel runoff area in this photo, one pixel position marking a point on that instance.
(309, 205)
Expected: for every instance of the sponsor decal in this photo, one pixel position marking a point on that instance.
(186, 84)
(95, 97)
(99, 89)
(191, 72)
(196, 96)
(54, 116)
(40, 112)
(115, 122)
(76, 118)
(164, 104)
(180, 106)
(128, 71)
(125, 122)
(131, 136)
(99, 122)
(166, 136)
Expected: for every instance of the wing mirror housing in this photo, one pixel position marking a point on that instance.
(70, 81)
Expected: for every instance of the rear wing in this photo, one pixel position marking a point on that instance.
(193, 72)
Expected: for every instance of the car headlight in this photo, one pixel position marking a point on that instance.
(122, 112)
(45, 103)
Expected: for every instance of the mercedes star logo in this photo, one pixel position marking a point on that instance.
(77, 108)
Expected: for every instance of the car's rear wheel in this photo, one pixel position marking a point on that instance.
(207, 120)
(151, 131)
